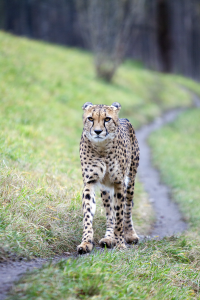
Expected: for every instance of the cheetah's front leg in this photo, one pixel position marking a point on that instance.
(108, 240)
(89, 207)
(119, 202)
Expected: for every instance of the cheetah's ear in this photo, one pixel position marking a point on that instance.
(87, 105)
(116, 106)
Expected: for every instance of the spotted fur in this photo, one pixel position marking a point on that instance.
(109, 156)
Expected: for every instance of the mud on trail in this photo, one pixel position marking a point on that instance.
(168, 218)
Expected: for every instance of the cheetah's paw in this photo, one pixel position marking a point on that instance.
(107, 242)
(131, 238)
(85, 247)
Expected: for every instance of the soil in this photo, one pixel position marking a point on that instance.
(11, 271)
(168, 218)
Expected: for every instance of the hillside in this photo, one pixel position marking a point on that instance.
(42, 90)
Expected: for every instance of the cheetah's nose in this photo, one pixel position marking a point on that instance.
(98, 131)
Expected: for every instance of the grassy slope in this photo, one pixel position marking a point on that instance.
(42, 90)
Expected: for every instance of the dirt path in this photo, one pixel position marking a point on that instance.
(12, 271)
(169, 220)
(168, 217)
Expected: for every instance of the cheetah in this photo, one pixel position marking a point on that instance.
(109, 155)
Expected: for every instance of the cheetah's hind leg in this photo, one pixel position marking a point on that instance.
(108, 241)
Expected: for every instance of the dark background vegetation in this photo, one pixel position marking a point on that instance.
(167, 38)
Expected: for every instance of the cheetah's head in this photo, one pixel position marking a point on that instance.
(100, 121)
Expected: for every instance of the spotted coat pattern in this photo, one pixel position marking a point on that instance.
(109, 154)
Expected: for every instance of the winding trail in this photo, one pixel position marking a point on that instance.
(169, 220)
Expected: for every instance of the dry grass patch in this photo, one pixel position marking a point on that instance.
(41, 214)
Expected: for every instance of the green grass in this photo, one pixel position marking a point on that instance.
(168, 269)
(42, 90)
(187, 84)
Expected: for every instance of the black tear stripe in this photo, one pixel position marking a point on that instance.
(91, 128)
(106, 129)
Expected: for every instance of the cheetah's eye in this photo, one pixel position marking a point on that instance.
(107, 119)
(90, 119)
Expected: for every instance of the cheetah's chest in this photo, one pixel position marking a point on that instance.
(115, 168)
(113, 173)
(108, 156)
